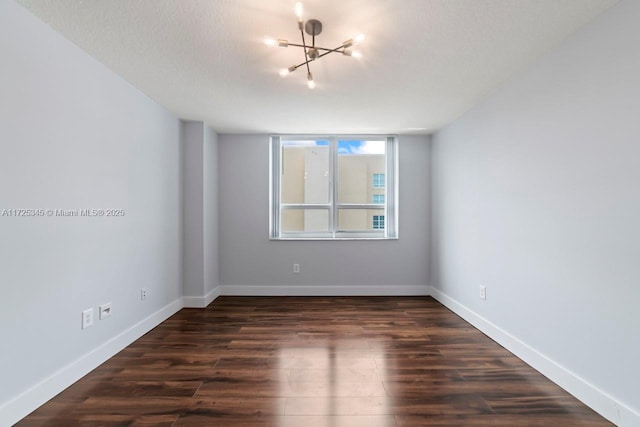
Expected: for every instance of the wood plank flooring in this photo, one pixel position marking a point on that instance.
(315, 362)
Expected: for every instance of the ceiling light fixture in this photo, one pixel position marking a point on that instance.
(313, 27)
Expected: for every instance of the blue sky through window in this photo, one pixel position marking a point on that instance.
(349, 147)
(357, 147)
(346, 146)
(361, 147)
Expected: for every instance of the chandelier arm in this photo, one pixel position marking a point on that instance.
(328, 51)
(316, 47)
(304, 47)
(337, 49)
(301, 64)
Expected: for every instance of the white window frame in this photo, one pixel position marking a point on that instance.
(390, 207)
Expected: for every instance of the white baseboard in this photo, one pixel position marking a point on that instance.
(19, 407)
(201, 302)
(601, 402)
(324, 290)
(211, 296)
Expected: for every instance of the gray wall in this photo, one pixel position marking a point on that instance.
(536, 196)
(193, 208)
(200, 206)
(73, 135)
(210, 180)
(252, 264)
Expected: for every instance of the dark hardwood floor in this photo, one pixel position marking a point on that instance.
(309, 362)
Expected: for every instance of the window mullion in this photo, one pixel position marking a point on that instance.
(274, 219)
(359, 206)
(391, 189)
(333, 173)
(305, 206)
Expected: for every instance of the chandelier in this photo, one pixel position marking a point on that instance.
(313, 27)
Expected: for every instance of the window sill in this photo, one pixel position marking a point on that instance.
(330, 239)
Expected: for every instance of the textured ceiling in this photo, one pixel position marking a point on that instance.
(425, 61)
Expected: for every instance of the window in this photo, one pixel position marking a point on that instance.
(378, 180)
(321, 188)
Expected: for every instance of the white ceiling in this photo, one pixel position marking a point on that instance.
(425, 61)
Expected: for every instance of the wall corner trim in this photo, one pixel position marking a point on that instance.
(201, 302)
(601, 402)
(22, 405)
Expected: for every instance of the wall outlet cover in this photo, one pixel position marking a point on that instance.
(87, 318)
(105, 311)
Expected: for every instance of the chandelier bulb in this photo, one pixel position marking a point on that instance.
(359, 39)
(347, 43)
(299, 11)
(310, 81)
(285, 71)
(356, 54)
(283, 43)
(270, 42)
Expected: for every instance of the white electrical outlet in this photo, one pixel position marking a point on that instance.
(105, 310)
(483, 292)
(296, 268)
(87, 318)
(144, 293)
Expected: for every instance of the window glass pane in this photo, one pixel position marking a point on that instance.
(378, 199)
(312, 220)
(378, 180)
(305, 172)
(360, 219)
(358, 163)
(378, 222)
